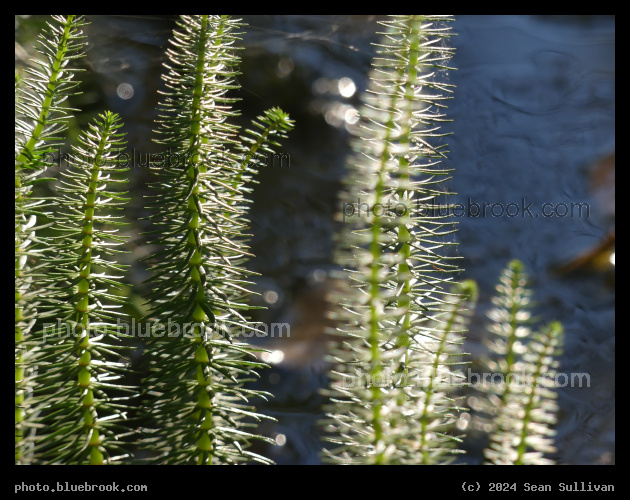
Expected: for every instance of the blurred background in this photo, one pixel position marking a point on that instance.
(533, 122)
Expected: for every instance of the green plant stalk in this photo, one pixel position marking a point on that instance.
(274, 124)
(77, 371)
(39, 115)
(202, 356)
(375, 287)
(510, 358)
(524, 435)
(512, 309)
(197, 384)
(203, 417)
(28, 152)
(517, 280)
(90, 418)
(462, 302)
(521, 432)
(549, 340)
(395, 289)
(404, 236)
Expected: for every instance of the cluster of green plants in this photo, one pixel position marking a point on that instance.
(396, 383)
(396, 391)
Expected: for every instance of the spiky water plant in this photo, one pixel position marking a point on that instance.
(521, 405)
(41, 116)
(400, 320)
(78, 396)
(394, 302)
(196, 403)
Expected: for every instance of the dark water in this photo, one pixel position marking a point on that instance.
(534, 110)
